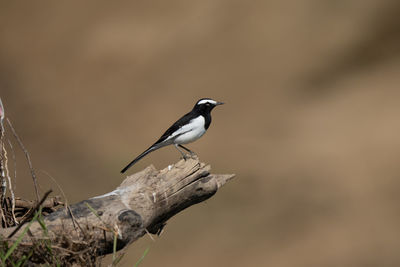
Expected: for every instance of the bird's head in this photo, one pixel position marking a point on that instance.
(206, 104)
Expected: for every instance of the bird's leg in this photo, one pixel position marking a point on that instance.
(188, 150)
(183, 154)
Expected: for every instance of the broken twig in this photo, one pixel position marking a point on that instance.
(27, 157)
(28, 217)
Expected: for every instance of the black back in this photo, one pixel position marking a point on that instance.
(203, 109)
(178, 124)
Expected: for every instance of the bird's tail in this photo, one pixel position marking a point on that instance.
(150, 149)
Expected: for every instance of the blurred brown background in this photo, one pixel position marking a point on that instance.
(311, 125)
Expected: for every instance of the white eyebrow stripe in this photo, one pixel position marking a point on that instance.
(204, 101)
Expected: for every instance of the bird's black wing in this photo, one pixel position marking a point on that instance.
(178, 124)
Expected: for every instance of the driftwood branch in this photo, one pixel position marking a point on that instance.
(142, 203)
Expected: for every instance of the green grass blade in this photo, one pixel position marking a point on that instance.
(118, 259)
(141, 258)
(19, 239)
(24, 258)
(93, 211)
(114, 248)
(2, 255)
(43, 225)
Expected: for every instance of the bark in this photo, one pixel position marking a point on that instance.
(142, 203)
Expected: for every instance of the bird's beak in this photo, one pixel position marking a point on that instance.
(219, 103)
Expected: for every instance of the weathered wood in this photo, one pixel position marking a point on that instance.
(143, 202)
(29, 204)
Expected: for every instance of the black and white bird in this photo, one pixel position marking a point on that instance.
(187, 129)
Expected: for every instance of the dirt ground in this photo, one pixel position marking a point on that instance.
(310, 126)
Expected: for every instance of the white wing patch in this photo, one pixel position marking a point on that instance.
(189, 132)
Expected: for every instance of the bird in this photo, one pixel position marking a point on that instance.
(187, 129)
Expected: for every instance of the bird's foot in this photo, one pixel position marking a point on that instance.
(191, 155)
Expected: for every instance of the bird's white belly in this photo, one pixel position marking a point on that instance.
(190, 136)
(190, 132)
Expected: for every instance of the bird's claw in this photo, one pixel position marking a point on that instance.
(191, 155)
